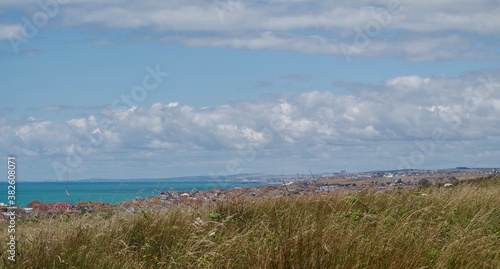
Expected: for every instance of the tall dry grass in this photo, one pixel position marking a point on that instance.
(432, 227)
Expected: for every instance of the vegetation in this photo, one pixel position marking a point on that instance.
(426, 227)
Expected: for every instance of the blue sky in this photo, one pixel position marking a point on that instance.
(252, 86)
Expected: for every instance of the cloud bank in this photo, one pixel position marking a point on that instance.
(414, 30)
(404, 121)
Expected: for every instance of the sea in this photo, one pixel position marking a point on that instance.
(109, 191)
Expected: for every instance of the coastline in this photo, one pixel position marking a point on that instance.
(158, 196)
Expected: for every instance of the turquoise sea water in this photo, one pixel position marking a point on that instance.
(110, 192)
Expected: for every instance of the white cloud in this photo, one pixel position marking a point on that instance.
(196, 15)
(417, 30)
(410, 82)
(373, 126)
(8, 32)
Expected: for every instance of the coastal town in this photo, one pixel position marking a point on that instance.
(290, 186)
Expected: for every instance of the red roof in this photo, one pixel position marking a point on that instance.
(34, 204)
(61, 205)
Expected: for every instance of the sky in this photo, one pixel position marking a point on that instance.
(156, 89)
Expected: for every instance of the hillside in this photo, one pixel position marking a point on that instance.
(428, 227)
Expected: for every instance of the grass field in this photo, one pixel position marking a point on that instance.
(431, 227)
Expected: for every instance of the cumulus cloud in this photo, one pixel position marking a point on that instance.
(416, 30)
(8, 32)
(372, 127)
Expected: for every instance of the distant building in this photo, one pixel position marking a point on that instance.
(4, 208)
(164, 195)
(87, 206)
(184, 197)
(60, 207)
(329, 188)
(37, 206)
(92, 206)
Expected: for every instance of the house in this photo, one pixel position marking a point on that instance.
(60, 207)
(328, 188)
(164, 195)
(38, 207)
(100, 206)
(155, 201)
(6, 211)
(184, 197)
(3, 208)
(34, 204)
(87, 206)
(92, 206)
(130, 207)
